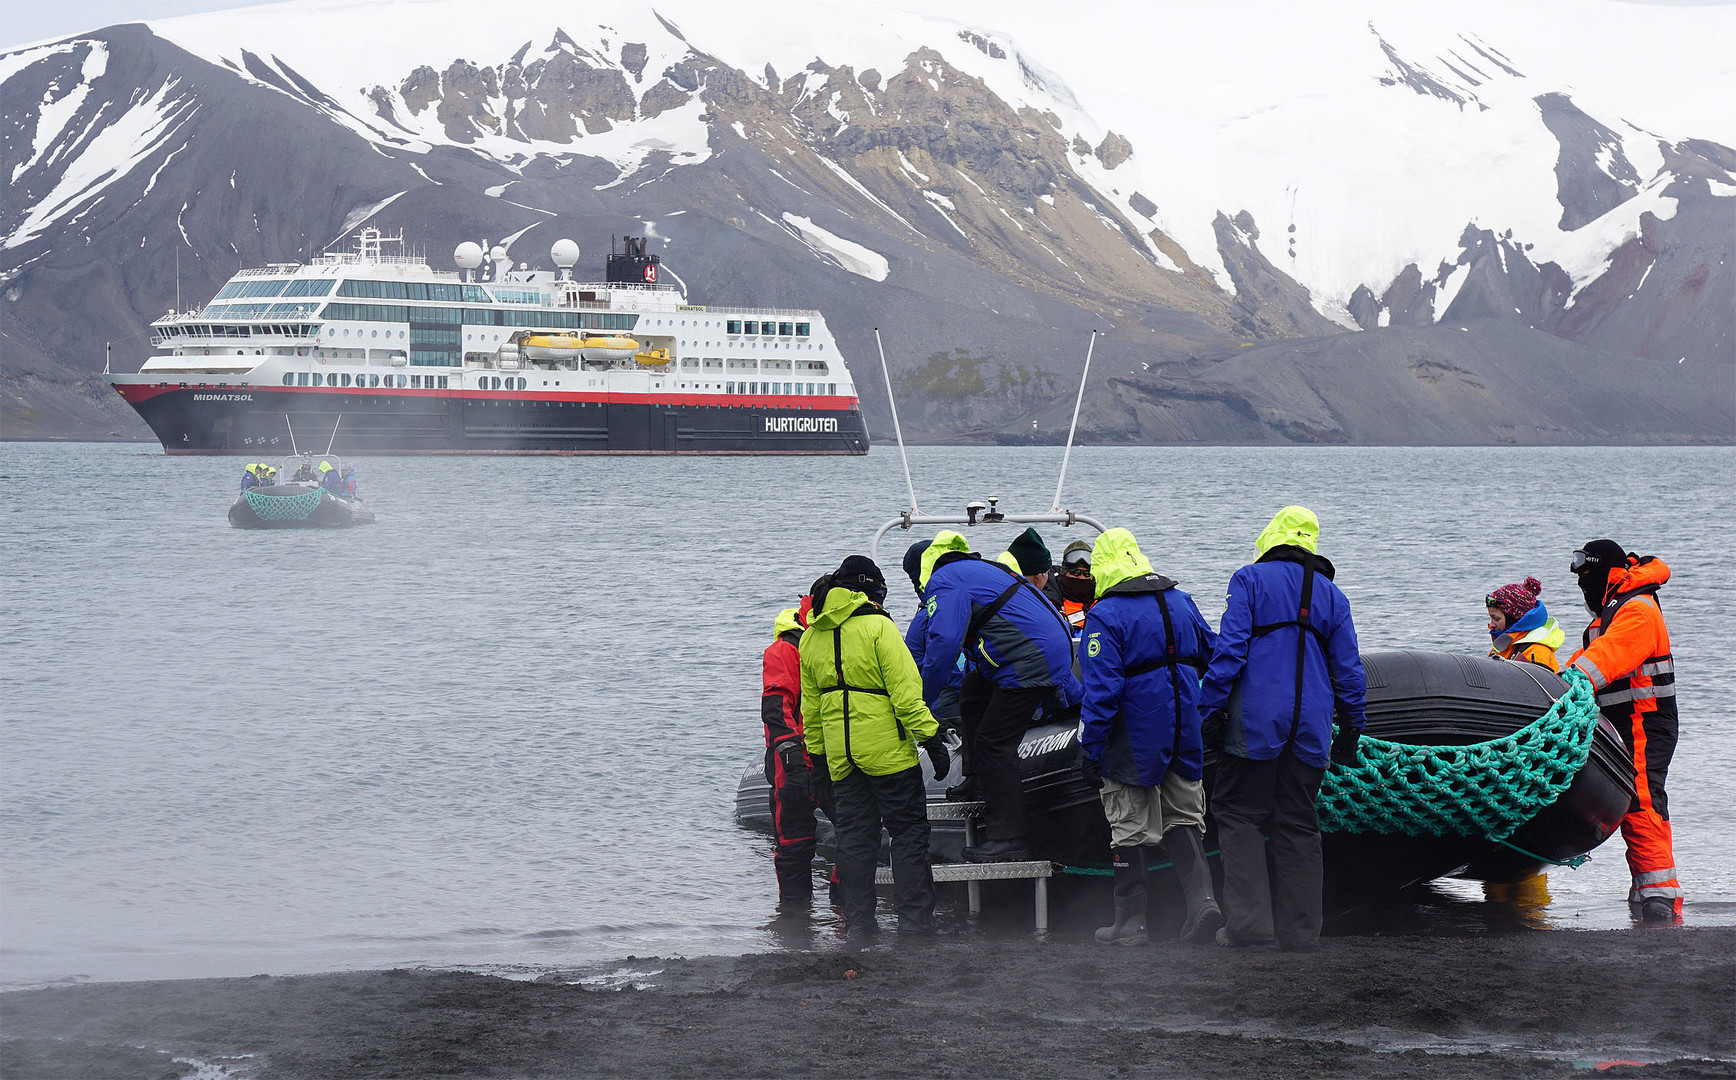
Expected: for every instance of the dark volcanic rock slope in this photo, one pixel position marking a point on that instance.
(142, 175)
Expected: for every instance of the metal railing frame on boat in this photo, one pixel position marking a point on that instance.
(971, 520)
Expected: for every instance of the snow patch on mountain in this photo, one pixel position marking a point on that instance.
(118, 146)
(834, 248)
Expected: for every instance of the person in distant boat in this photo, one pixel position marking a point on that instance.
(1520, 627)
(1286, 650)
(329, 479)
(789, 771)
(304, 475)
(862, 713)
(1626, 655)
(1021, 655)
(1145, 645)
(270, 474)
(1072, 591)
(250, 477)
(349, 485)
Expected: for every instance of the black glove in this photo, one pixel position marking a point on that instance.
(1091, 770)
(1344, 745)
(795, 760)
(938, 757)
(1213, 729)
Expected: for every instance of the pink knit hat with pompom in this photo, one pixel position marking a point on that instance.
(1515, 600)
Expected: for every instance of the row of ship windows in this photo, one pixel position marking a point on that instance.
(320, 378)
(743, 326)
(372, 290)
(495, 382)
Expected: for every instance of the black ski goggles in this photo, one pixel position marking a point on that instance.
(1078, 562)
(1583, 563)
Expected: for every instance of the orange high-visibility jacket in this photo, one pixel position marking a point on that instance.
(1627, 647)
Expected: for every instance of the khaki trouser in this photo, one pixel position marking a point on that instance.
(1141, 815)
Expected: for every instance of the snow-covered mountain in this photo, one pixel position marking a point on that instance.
(1347, 220)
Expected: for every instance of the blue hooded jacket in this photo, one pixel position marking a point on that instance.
(1267, 595)
(1144, 724)
(1025, 643)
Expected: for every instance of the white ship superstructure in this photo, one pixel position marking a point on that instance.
(490, 358)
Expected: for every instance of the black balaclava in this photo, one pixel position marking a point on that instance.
(859, 572)
(1601, 557)
(913, 563)
(1077, 589)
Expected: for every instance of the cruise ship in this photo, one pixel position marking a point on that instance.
(372, 351)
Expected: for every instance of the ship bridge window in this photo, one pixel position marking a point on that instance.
(801, 329)
(268, 287)
(733, 326)
(786, 329)
(310, 287)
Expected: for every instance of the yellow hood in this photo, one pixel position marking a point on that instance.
(1010, 561)
(1295, 525)
(786, 621)
(1115, 558)
(944, 541)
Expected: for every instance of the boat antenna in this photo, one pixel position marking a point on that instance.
(334, 437)
(899, 431)
(291, 428)
(1074, 426)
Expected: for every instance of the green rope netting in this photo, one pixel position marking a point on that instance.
(1485, 789)
(283, 507)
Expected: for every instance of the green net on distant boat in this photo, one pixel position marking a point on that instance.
(1484, 789)
(284, 507)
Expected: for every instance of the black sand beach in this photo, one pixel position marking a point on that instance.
(1656, 1002)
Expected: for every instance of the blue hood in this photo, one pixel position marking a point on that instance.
(1528, 622)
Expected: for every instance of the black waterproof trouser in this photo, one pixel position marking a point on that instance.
(898, 802)
(1253, 801)
(995, 719)
(794, 794)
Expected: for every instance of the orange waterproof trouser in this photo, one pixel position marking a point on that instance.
(1651, 856)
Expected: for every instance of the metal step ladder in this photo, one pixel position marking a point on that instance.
(973, 874)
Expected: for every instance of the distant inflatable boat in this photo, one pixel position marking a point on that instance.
(296, 506)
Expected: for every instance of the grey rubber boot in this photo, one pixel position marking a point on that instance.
(1129, 928)
(1204, 918)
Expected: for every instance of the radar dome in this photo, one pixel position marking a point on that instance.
(468, 255)
(497, 253)
(564, 253)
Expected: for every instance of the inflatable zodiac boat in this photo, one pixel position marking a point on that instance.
(1470, 766)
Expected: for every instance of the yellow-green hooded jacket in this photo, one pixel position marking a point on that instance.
(861, 692)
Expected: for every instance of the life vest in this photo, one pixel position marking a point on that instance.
(1650, 687)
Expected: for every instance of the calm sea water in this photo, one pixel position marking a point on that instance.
(504, 726)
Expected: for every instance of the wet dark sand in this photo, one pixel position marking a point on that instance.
(1537, 1004)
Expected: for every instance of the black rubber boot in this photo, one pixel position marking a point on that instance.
(1204, 918)
(1017, 849)
(1130, 896)
(1658, 909)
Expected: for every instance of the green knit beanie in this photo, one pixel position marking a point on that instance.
(1032, 553)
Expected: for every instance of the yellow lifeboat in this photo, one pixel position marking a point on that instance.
(653, 357)
(584, 346)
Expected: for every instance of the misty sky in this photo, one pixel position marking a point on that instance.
(25, 22)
